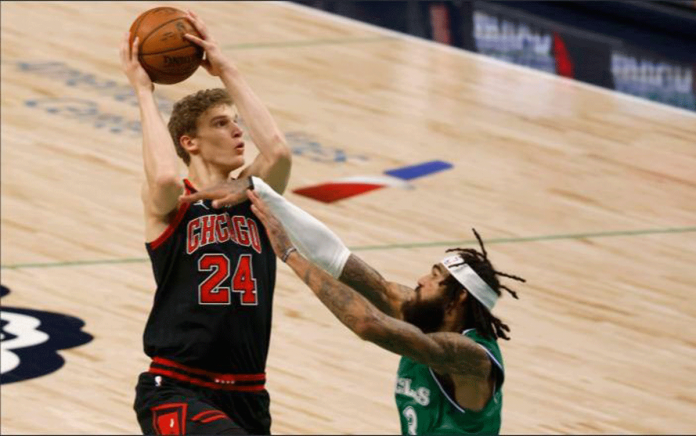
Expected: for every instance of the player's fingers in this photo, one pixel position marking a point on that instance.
(198, 24)
(193, 197)
(253, 197)
(254, 200)
(196, 40)
(259, 215)
(129, 48)
(193, 18)
(224, 201)
(262, 205)
(134, 54)
(220, 199)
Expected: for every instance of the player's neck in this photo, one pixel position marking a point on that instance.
(453, 322)
(203, 176)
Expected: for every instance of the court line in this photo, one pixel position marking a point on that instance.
(449, 244)
(312, 42)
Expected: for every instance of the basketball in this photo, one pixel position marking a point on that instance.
(163, 51)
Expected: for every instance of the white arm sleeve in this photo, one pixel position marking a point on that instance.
(309, 235)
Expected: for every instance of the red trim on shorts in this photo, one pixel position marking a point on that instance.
(215, 418)
(214, 375)
(206, 412)
(175, 222)
(206, 384)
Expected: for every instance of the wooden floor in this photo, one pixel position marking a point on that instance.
(588, 194)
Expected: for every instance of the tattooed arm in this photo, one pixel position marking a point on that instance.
(386, 296)
(447, 353)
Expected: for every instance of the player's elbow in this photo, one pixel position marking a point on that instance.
(280, 151)
(360, 326)
(165, 180)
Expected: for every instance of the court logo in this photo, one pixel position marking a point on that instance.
(30, 340)
(335, 190)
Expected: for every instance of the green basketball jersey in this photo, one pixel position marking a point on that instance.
(425, 408)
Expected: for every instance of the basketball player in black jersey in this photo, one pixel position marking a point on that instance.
(209, 328)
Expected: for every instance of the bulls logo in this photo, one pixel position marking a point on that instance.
(31, 340)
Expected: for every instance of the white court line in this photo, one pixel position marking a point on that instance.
(484, 58)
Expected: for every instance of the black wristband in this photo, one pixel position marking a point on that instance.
(287, 254)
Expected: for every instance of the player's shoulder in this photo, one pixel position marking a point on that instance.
(490, 343)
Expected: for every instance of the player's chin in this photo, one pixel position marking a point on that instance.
(235, 163)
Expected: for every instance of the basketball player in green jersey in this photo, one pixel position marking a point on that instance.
(451, 374)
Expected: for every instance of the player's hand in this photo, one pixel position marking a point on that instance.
(137, 76)
(228, 193)
(215, 62)
(274, 229)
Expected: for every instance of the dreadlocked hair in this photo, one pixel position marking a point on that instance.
(476, 314)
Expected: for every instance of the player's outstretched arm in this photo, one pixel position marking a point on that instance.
(448, 353)
(274, 161)
(163, 186)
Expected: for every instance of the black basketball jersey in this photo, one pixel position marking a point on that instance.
(215, 273)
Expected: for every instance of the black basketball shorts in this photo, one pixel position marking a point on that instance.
(165, 405)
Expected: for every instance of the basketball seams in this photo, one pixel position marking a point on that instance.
(165, 73)
(142, 44)
(168, 73)
(138, 22)
(170, 49)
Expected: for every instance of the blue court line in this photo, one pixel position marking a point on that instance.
(419, 170)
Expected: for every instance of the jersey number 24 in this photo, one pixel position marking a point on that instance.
(213, 290)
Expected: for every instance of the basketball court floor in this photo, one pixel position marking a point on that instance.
(588, 194)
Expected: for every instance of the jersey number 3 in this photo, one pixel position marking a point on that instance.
(212, 289)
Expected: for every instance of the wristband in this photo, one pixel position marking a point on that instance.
(287, 254)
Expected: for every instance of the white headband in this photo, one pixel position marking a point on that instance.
(471, 281)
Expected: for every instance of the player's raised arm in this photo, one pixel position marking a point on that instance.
(163, 186)
(274, 161)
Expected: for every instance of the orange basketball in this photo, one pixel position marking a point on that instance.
(165, 54)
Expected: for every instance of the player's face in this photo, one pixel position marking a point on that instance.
(426, 310)
(219, 138)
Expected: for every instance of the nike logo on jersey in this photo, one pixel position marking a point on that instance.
(209, 229)
(420, 395)
(201, 203)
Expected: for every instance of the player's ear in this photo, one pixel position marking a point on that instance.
(189, 144)
(457, 301)
(461, 298)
